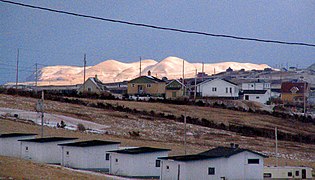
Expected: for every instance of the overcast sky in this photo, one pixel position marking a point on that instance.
(50, 39)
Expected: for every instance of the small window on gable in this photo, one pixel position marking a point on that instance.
(107, 156)
(89, 89)
(211, 171)
(289, 174)
(214, 89)
(253, 161)
(148, 85)
(158, 163)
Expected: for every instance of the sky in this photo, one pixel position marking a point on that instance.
(56, 39)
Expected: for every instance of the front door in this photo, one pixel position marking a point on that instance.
(303, 173)
(246, 97)
(140, 89)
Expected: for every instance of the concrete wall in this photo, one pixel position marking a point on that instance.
(87, 157)
(48, 152)
(136, 165)
(10, 146)
(234, 167)
(206, 89)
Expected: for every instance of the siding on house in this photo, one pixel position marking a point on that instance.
(9, 144)
(218, 88)
(293, 92)
(174, 89)
(146, 85)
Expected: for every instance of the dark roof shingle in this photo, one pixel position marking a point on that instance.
(89, 143)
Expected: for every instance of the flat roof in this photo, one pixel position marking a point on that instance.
(48, 139)
(8, 135)
(139, 150)
(90, 143)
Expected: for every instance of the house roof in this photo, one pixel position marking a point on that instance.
(90, 143)
(212, 153)
(289, 87)
(209, 80)
(49, 139)
(98, 83)
(254, 91)
(16, 135)
(172, 85)
(151, 79)
(139, 150)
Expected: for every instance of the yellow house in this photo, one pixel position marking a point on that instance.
(146, 85)
(174, 89)
(93, 85)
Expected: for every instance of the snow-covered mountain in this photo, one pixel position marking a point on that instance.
(115, 71)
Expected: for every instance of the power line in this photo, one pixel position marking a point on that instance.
(160, 27)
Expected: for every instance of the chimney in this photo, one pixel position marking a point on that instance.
(149, 73)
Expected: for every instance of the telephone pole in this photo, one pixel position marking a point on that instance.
(276, 137)
(185, 144)
(203, 70)
(42, 116)
(36, 76)
(84, 72)
(140, 67)
(17, 69)
(183, 77)
(195, 93)
(304, 99)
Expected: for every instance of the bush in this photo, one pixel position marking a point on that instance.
(81, 127)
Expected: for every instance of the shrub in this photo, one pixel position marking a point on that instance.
(81, 127)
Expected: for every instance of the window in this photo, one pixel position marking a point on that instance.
(148, 85)
(26, 148)
(167, 167)
(116, 160)
(290, 174)
(257, 97)
(158, 163)
(230, 90)
(133, 85)
(67, 152)
(267, 175)
(107, 156)
(226, 90)
(173, 94)
(211, 171)
(214, 89)
(253, 161)
(89, 89)
(297, 173)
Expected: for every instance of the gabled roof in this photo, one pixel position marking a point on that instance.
(139, 150)
(170, 87)
(297, 87)
(16, 135)
(49, 139)
(254, 91)
(98, 83)
(204, 82)
(90, 143)
(219, 152)
(146, 79)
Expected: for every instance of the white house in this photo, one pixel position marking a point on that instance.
(137, 162)
(218, 88)
(45, 150)
(287, 172)
(9, 144)
(261, 96)
(218, 163)
(93, 85)
(91, 155)
(256, 85)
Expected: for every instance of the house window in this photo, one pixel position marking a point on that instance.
(148, 85)
(107, 156)
(167, 167)
(226, 90)
(211, 171)
(173, 94)
(158, 163)
(116, 160)
(214, 89)
(230, 90)
(257, 97)
(26, 148)
(289, 174)
(297, 173)
(267, 175)
(67, 153)
(253, 161)
(133, 85)
(89, 89)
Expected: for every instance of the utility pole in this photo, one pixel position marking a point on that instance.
(42, 116)
(140, 67)
(36, 76)
(185, 134)
(195, 93)
(183, 77)
(304, 99)
(17, 69)
(276, 137)
(203, 70)
(84, 72)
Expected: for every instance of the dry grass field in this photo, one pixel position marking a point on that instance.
(166, 133)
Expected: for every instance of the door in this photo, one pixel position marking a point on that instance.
(140, 89)
(303, 173)
(246, 97)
